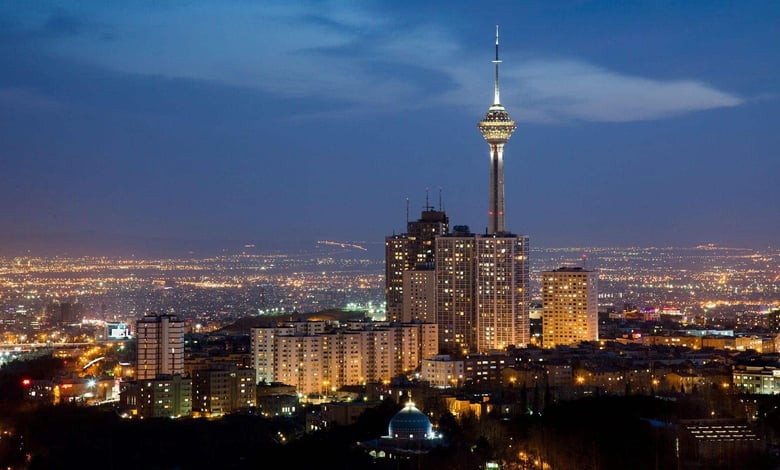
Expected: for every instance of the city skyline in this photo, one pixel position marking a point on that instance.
(211, 124)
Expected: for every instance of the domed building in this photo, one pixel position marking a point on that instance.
(409, 432)
(410, 423)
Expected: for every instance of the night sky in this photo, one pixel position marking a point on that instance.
(203, 125)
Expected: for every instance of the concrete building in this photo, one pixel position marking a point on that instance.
(322, 362)
(419, 292)
(160, 346)
(486, 369)
(166, 396)
(482, 297)
(569, 306)
(408, 257)
(442, 371)
(759, 379)
(216, 391)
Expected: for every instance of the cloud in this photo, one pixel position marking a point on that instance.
(577, 90)
(565, 90)
(343, 52)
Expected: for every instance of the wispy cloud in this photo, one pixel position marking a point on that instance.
(343, 52)
(563, 90)
(577, 90)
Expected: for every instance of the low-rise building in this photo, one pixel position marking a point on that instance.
(442, 371)
(760, 379)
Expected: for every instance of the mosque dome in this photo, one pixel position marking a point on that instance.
(410, 423)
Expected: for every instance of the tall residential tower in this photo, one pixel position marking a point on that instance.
(160, 346)
(160, 388)
(409, 264)
(569, 306)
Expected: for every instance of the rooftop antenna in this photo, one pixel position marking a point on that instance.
(440, 209)
(407, 211)
(584, 260)
(427, 204)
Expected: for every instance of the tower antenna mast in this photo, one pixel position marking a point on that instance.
(496, 96)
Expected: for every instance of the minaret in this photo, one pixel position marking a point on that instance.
(496, 128)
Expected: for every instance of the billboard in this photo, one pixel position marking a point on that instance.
(117, 330)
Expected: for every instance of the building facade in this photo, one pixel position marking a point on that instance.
(166, 396)
(407, 253)
(569, 306)
(322, 362)
(216, 391)
(160, 346)
(419, 295)
(443, 371)
(482, 296)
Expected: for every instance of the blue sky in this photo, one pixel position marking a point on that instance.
(132, 125)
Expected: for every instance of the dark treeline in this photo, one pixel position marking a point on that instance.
(606, 432)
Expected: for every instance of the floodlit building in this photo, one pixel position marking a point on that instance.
(160, 346)
(409, 434)
(159, 389)
(569, 306)
(442, 371)
(409, 259)
(482, 297)
(419, 287)
(322, 362)
(759, 379)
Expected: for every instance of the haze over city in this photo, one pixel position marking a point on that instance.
(199, 126)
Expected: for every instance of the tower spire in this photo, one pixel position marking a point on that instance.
(496, 96)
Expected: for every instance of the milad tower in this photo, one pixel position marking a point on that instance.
(482, 279)
(497, 127)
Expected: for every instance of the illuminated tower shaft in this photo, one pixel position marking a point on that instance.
(497, 127)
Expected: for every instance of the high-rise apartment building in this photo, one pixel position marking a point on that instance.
(482, 297)
(502, 292)
(318, 361)
(160, 388)
(456, 256)
(160, 346)
(406, 254)
(569, 306)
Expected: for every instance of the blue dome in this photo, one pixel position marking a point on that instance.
(410, 423)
